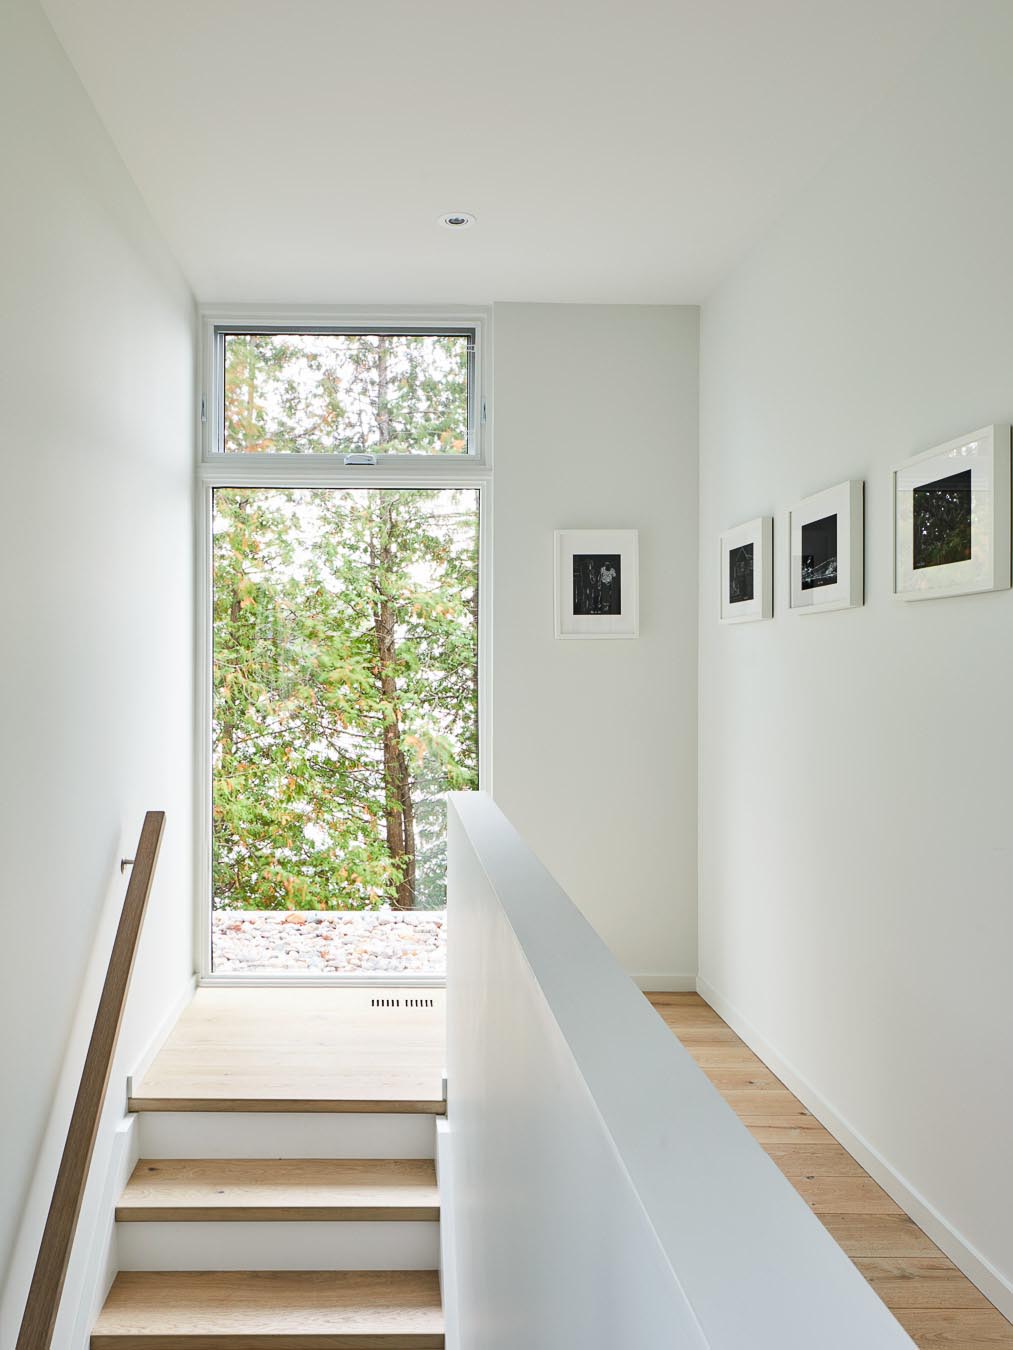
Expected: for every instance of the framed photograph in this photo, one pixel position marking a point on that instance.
(597, 592)
(951, 511)
(827, 550)
(747, 589)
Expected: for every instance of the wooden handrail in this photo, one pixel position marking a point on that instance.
(57, 1239)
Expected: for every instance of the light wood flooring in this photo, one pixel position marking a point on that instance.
(938, 1306)
(301, 1049)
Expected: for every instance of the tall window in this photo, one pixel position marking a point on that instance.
(344, 646)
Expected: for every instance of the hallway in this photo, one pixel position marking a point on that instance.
(936, 1304)
(569, 508)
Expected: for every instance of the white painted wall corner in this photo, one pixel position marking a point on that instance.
(665, 984)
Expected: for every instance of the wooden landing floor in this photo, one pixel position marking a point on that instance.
(938, 1306)
(301, 1049)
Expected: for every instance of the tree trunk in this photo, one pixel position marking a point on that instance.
(227, 736)
(399, 813)
(251, 397)
(382, 410)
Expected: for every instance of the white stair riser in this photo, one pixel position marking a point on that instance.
(254, 1134)
(386, 1245)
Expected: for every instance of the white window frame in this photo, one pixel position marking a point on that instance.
(216, 323)
(215, 468)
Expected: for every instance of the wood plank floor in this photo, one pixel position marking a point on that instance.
(197, 1190)
(938, 1306)
(302, 1049)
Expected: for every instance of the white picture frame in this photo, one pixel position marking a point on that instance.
(953, 502)
(597, 591)
(747, 576)
(827, 549)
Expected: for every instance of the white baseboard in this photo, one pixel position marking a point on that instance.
(448, 1237)
(978, 1269)
(161, 1034)
(89, 1278)
(665, 984)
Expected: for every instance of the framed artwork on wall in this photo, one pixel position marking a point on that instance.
(597, 584)
(952, 517)
(827, 533)
(747, 590)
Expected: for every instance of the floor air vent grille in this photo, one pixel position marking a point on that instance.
(407, 1002)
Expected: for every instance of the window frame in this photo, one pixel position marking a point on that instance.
(216, 468)
(217, 323)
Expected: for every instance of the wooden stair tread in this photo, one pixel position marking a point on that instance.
(281, 1189)
(243, 1098)
(272, 1310)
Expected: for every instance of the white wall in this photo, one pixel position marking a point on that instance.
(604, 1194)
(96, 439)
(594, 743)
(855, 841)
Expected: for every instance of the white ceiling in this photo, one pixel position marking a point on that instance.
(301, 150)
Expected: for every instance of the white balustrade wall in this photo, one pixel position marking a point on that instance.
(602, 1194)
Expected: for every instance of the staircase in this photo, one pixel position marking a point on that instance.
(277, 1228)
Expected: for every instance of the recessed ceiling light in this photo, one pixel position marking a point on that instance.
(457, 220)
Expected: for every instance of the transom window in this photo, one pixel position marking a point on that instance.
(367, 392)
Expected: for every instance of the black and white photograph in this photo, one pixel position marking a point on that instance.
(597, 583)
(827, 532)
(942, 521)
(819, 553)
(952, 517)
(740, 574)
(747, 590)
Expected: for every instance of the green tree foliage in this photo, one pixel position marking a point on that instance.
(345, 657)
(346, 393)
